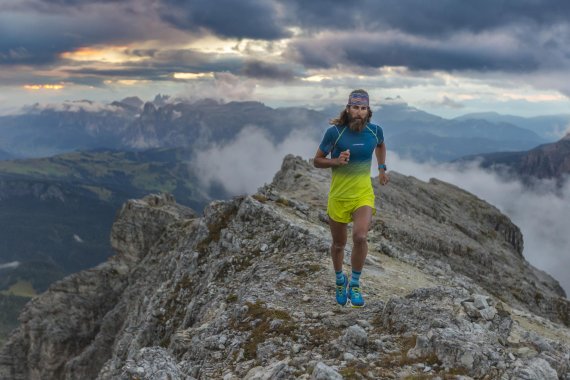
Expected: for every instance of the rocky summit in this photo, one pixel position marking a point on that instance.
(246, 291)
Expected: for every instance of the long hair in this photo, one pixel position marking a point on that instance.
(343, 118)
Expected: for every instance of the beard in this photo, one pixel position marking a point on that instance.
(356, 124)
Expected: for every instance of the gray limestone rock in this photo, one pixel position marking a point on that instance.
(423, 348)
(355, 335)
(324, 372)
(480, 302)
(152, 363)
(488, 313)
(536, 369)
(278, 371)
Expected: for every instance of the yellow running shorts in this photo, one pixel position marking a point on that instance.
(341, 210)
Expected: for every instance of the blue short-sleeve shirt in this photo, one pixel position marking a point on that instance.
(352, 180)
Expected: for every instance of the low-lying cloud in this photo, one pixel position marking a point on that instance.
(251, 160)
(541, 213)
(73, 106)
(225, 87)
(10, 265)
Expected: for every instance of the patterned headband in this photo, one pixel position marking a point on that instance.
(358, 99)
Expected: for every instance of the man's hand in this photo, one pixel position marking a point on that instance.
(343, 158)
(383, 177)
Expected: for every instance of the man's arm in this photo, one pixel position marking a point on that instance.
(321, 160)
(380, 152)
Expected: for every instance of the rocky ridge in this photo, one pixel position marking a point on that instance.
(246, 291)
(547, 161)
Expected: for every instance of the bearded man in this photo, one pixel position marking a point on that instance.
(350, 142)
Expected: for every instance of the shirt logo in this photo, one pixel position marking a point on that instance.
(357, 144)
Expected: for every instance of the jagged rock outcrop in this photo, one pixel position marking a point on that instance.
(246, 291)
(547, 161)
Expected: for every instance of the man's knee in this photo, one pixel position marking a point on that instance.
(338, 245)
(359, 238)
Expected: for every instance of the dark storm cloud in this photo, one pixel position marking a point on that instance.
(134, 72)
(18, 78)
(67, 6)
(29, 37)
(515, 36)
(23, 56)
(150, 73)
(263, 70)
(93, 81)
(423, 35)
(416, 54)
(163, 65)
(424, 17)
(257, 19)
(444, 57)
(187, 60)
(20, 44)
(81, 2)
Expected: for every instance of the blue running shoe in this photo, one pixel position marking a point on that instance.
(355, 296)
(341, 297)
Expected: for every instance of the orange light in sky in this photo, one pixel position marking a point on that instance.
(192, 75)
(112, 54)
(37, 87)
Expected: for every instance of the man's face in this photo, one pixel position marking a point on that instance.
(357, 116)
(358, 112)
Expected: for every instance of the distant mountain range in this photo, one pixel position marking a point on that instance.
(421, 136)
(549, 127)
(131, 124)
(547, 161)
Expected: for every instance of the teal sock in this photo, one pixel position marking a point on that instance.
(339, 277)
(355, 278)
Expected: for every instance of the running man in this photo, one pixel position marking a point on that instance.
(351, 141)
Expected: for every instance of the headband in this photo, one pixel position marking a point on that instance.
(358, 99)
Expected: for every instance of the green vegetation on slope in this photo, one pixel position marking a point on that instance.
(20, 288)
(57, 212)
(113, 175)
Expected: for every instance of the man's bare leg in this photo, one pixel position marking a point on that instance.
(361, 218)
(338, 232)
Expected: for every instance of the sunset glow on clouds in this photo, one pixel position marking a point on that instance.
(36, 87)
(112, 54)
(447, 57)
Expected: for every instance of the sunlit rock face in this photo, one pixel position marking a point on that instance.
(247, 291)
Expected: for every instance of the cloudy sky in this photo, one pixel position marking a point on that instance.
(444, 56)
